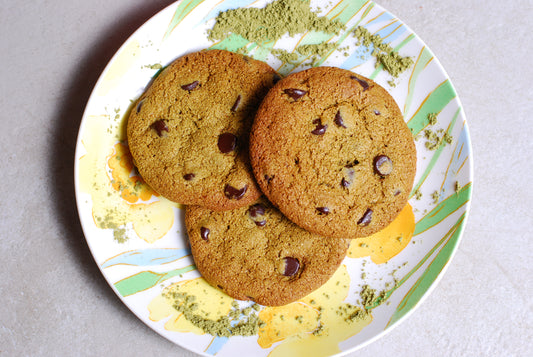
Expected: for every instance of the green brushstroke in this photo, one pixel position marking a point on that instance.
(444, 209)
(183, 9)
(231, 43)
(345, 9)
(421, 63)
(430, 274)
(147, 279)
(435, 157)
(434, 103)
(379, 68)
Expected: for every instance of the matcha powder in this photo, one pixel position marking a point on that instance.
(272, 22)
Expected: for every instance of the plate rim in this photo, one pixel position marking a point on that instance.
(466, 207)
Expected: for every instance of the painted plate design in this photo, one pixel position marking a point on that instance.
(138, 238)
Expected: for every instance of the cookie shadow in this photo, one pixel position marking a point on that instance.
(60, 161)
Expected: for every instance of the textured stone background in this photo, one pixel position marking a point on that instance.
(53, 299)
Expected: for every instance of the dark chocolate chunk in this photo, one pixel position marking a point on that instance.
(352, 164)
(292, 265)
(233, 193)
(236, 104)
(260, 223)
(338, 119)
(366, 219)
(204, 233)
(256, 210)
(323, 210)
(139, 105)
(268, 178)
(363, 83)
(377, 112)
(319, 129)
(188, 177)
(295, 93)
(345, 183)
(382, 165)
(190, 86)
(160, 126)
(226, 142)
(397, 192)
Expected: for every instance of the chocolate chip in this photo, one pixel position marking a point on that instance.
(204, 233)
(338, 119)
(260, 223)
(382, 165)
(236, 104)
(397, 192)
(295, 93)
(366, 219)
(323, 210)
(292, 265)
(319, 129)
(139, 105)
(160, 126)
(377, 112)
(226, 142)
(220, 287)
(352, 164)
(233, 193)
(188, 177)
(256, 210)
(268, 178)
(363, 83)
(190, 86)
(345, 183)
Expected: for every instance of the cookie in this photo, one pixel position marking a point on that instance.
(256, 253)
(188, 133)
(332, 151)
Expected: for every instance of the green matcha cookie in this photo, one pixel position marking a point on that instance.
(188, 133)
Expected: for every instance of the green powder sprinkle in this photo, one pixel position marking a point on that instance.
(270, 23)
(285, 56)
(435, 196)
(370, 297)
(238, 322)
(432, 118)
(418, 194)
(316, 52)
(434, 140)
(385, 55)
(458, 186)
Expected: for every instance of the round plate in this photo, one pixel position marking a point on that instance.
(139, 241)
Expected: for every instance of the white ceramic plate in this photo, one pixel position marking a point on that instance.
(139, 241)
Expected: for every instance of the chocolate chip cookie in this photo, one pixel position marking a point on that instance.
(256, 253)
(332, 151)
(188, 133)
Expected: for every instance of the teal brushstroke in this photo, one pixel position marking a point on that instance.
(147, 257)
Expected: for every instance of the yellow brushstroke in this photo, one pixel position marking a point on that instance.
(375, 17)
(286, 321)
(311, 325)
(393, 31)
(322, 307)
(212, 304)
(120, 66)
(132, 188)
(388, 242)
(111, 202)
